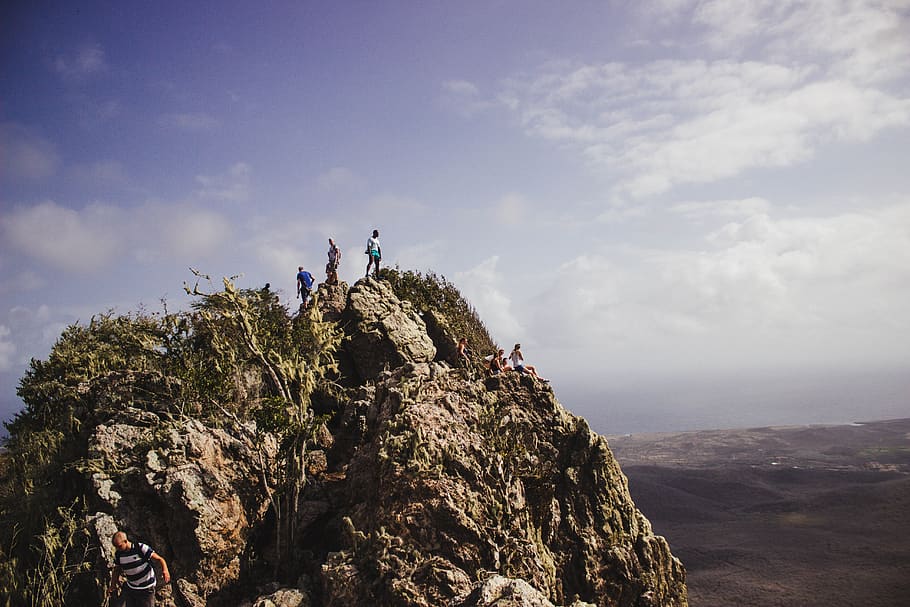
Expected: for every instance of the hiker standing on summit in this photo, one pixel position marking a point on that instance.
(331, 268)
(374, 251)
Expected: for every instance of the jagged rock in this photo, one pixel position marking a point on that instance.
(383, 332)
(285, 597)
(424, 489)
(191, 492)
(443, 338)
(472, 480)
(499, 591)
(331, 300)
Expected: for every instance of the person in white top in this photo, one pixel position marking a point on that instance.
(374, 251)
(331, 268)
(518, 364)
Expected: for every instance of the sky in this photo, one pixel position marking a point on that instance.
(691, 213)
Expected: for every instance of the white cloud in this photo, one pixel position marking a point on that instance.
(194, 122)
(99, 235)
(26, 155)
(83, 63)
(482, 286)
(26, 280)
(464, 97)
(673, 122)
(421, 256)
(830, 72)
(511, 209)
(461, 87)
(721, 208)
(233, 186)
(760, 291)
(341, 180)
(188, 232)
(7, 349)
(864, 40)
(68, 239)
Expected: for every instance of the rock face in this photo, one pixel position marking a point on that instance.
(383, 332)
(193, 493)
(425, 489)
(461, 479)
(332, 300)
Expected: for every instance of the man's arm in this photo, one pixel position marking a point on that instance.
(165, 574)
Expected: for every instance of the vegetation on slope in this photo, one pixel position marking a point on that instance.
(238, 354)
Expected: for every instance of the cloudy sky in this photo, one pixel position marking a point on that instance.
(649, 195)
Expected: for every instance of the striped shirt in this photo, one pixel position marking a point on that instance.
(135, 565)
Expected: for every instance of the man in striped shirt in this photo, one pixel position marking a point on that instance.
(133, 561)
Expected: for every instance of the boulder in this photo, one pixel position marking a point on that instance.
(499, 591)
(191, 492)
(331, 300)
(443, 338)
(382, 331)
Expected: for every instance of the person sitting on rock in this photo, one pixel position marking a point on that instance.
(518, 364)
(498, 363)
(463, 356)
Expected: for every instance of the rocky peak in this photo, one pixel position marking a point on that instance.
(423, 488)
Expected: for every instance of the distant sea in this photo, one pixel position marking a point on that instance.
(745, 401)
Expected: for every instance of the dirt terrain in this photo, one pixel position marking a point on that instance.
(809, 515)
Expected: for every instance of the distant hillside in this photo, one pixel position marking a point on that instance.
(810, 515)
(335, 456)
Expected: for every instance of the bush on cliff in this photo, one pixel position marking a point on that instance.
(238, 353)
(433, 293)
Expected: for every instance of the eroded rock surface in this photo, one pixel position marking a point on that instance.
(190, 491)
(383, 332)
(457, 480)
(423, 489)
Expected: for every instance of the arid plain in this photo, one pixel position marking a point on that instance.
(808, 515)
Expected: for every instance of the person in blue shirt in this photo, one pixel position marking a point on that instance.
(304, 285)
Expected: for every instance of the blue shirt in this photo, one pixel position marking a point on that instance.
(306, 278)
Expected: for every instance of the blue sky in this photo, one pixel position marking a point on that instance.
(642, 193)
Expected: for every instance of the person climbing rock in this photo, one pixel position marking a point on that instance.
(133, 560)
(518, 364)
(463, 356)
(331, 268)
(304, 285)
(375, 253)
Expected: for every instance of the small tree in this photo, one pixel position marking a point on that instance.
(431, 292)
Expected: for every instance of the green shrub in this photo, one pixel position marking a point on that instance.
(431, 292)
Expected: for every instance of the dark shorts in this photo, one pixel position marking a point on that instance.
(520, 368)
(135, 598)
(304, 293)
